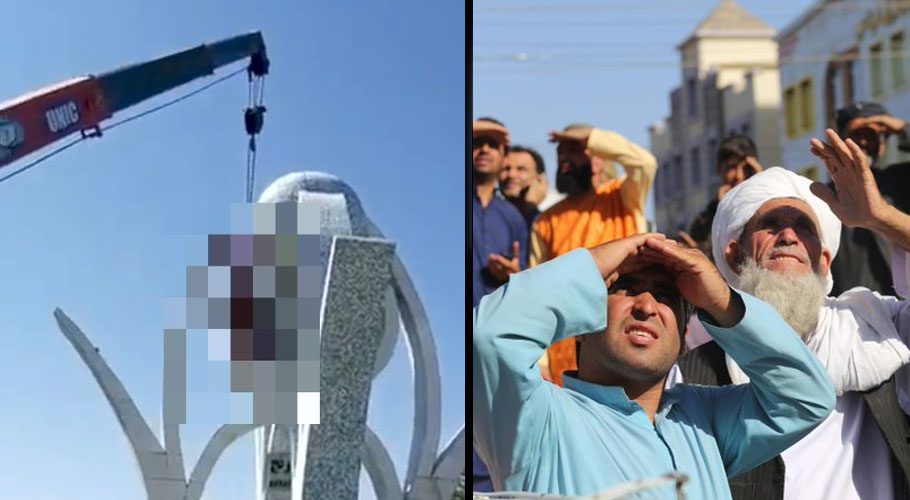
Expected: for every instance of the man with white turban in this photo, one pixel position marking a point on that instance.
(774, 237)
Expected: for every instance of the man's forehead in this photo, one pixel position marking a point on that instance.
(732, 161)
(652, 276)
(520, 158)
(784, 207)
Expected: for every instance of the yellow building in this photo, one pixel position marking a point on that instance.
(835, 54)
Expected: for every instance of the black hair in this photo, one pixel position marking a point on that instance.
(735, 146)
(538, 160)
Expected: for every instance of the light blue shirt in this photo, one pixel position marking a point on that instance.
(535, 436)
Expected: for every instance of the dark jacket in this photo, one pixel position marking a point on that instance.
(706, 365)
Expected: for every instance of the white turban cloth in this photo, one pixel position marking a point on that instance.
(744, 200)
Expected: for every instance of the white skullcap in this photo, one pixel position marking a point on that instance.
(744, 200)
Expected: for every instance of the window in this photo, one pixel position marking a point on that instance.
(875, 69)
(897, 60)
(838, 85)
(847, 84)
(675, 105)
(711, 157)
(664, 188)
(677, 174)
(657, 187)
(791, 111)
(660, 183)
(695, 155)
(832, 91)
(806, 106)
(692, 96)
(799, 109)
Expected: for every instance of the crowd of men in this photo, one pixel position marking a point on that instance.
(763, 353)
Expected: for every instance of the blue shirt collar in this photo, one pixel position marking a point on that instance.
(615, 396)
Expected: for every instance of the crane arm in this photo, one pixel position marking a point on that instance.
(39, 118)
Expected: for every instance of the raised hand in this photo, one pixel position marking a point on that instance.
(857, 201)
(501, 267)
(618, 256)
(537, 190)
(482, 128)
(698, 281)
(579, 135)
(883, 124)
(751, 163)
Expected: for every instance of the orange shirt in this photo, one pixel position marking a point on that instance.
(585, 222)
(615, 210)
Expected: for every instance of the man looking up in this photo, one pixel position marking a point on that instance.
(775, 236)
(626, 302)
(598, 208)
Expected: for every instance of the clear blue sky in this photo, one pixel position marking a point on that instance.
(373, 93)
(540, 65)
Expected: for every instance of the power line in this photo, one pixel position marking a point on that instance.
(557, 57)
(563, 43)
(545, 56)
(664, 7)
(645, 23)
(620, 67)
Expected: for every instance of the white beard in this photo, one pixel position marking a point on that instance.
(797, 297)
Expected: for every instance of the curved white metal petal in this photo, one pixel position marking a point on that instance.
(427, 403)
(380, 468)
(392, 329)
(148, 451)
(427, 386)
(223, 437)
(449, 466)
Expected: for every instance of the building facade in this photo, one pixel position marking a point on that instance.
(730, 83)
(834, 54)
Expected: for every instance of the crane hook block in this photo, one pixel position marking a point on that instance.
(259, 64)
(253, 119)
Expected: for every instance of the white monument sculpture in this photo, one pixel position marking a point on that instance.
(364, 309)
(429, 475)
